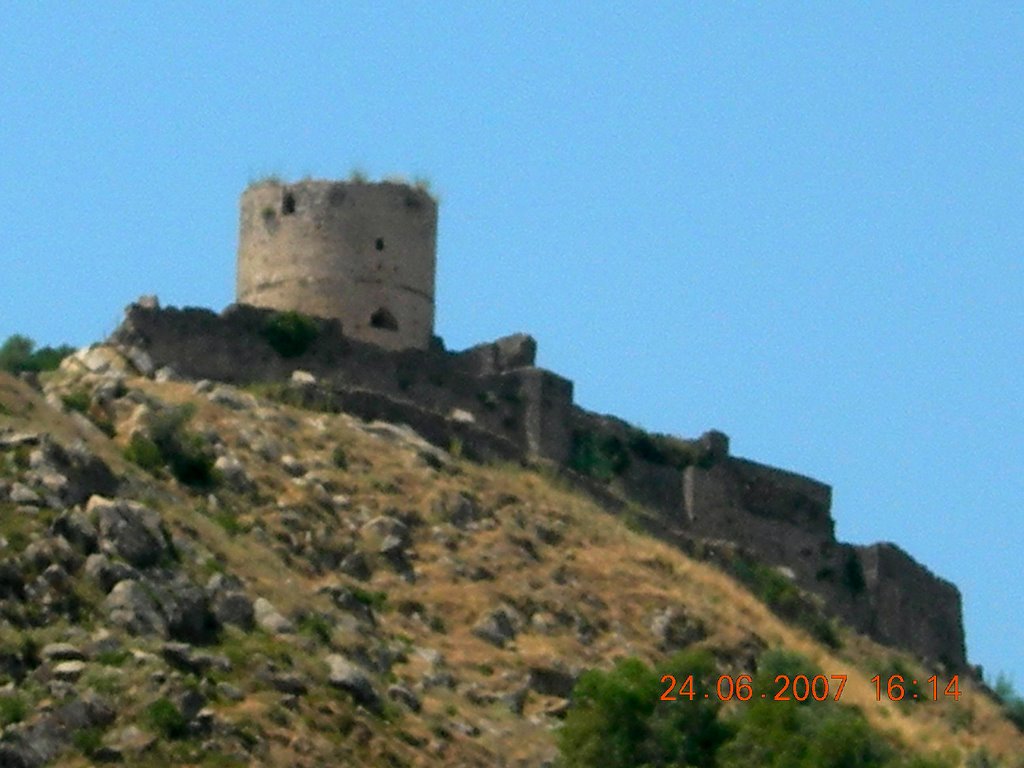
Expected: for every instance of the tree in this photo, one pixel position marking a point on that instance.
(617, 719)
(19, 354)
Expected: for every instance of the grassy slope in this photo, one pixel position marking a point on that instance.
(600, 572)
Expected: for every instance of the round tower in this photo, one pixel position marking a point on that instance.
(363, 253)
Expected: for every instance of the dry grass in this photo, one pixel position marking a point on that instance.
(615, 578)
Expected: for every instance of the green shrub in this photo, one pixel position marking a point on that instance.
(18, 354)
(600, 457)
(78, 400)
(170, 444)
(339, 457)
(618, 721)
(88, 740)
(375, 600)
(1013, 704)
(289, 333)
(316, 626)
(163, 718)
(144, 452)
(12, 709)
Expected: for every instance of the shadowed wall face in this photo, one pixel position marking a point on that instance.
(358, 252)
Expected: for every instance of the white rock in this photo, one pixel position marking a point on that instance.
(269, 619)
(69, 670)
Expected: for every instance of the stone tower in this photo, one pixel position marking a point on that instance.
(361, 252)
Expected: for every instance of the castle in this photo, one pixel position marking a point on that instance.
(359, 259)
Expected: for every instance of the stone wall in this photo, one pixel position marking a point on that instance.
(358, 252)
(911, 606)
(497, 404)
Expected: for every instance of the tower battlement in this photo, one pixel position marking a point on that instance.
(362, 253)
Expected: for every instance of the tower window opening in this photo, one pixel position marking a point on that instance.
(288, 203)
(379, 245)
(383, 319)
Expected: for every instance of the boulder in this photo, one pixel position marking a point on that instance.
(348, 677)
(129, 530)
(674, 629)
(131, 606)
(270, 620)
(107, 573)
(498, 627)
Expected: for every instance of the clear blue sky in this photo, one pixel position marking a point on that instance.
(799, 223)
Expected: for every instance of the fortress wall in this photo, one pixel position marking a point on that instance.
(511, 410)
(358, 252)
(527, 407)
(547, 402)
(760, 491)
(912, 607)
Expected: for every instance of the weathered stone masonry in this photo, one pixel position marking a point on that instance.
(360, 259)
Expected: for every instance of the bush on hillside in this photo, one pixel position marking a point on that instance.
(289, 333)
(601, 457)
(1013, 704)
(170, 444)
(18, 354)
(618, 720)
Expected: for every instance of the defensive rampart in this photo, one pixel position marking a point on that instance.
(496, 403)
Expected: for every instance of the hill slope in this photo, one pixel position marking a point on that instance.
(262, 585)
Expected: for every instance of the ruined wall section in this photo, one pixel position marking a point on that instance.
(911, 606)
(362, 253)
(496, 403)
(494, 387)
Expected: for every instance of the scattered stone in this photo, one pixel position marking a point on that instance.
(673, 629)
(292, 466)
(234, 608)
(22, 494)
(190, 703)
(167, 373)
(385, 526)
(289, 683)
(187, 611)
(270, 620)
(515, 699)
(498, 627)
(405, 697)
(461, 416)
(131, 606)
(233, 472)
(552, 681)
(303, 378)
(61, 652)
(232, 398)
(461, 510)
(107, 572)
(182, 656)
(228, 691)
(76, 528)
(356, 566)
(141, 360)
(69, 671)
(12, 440)
(130, 530)
(348, 677)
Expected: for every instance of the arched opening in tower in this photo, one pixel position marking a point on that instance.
(288, 203)
(383, 319)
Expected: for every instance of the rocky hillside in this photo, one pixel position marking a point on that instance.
(195, 574)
